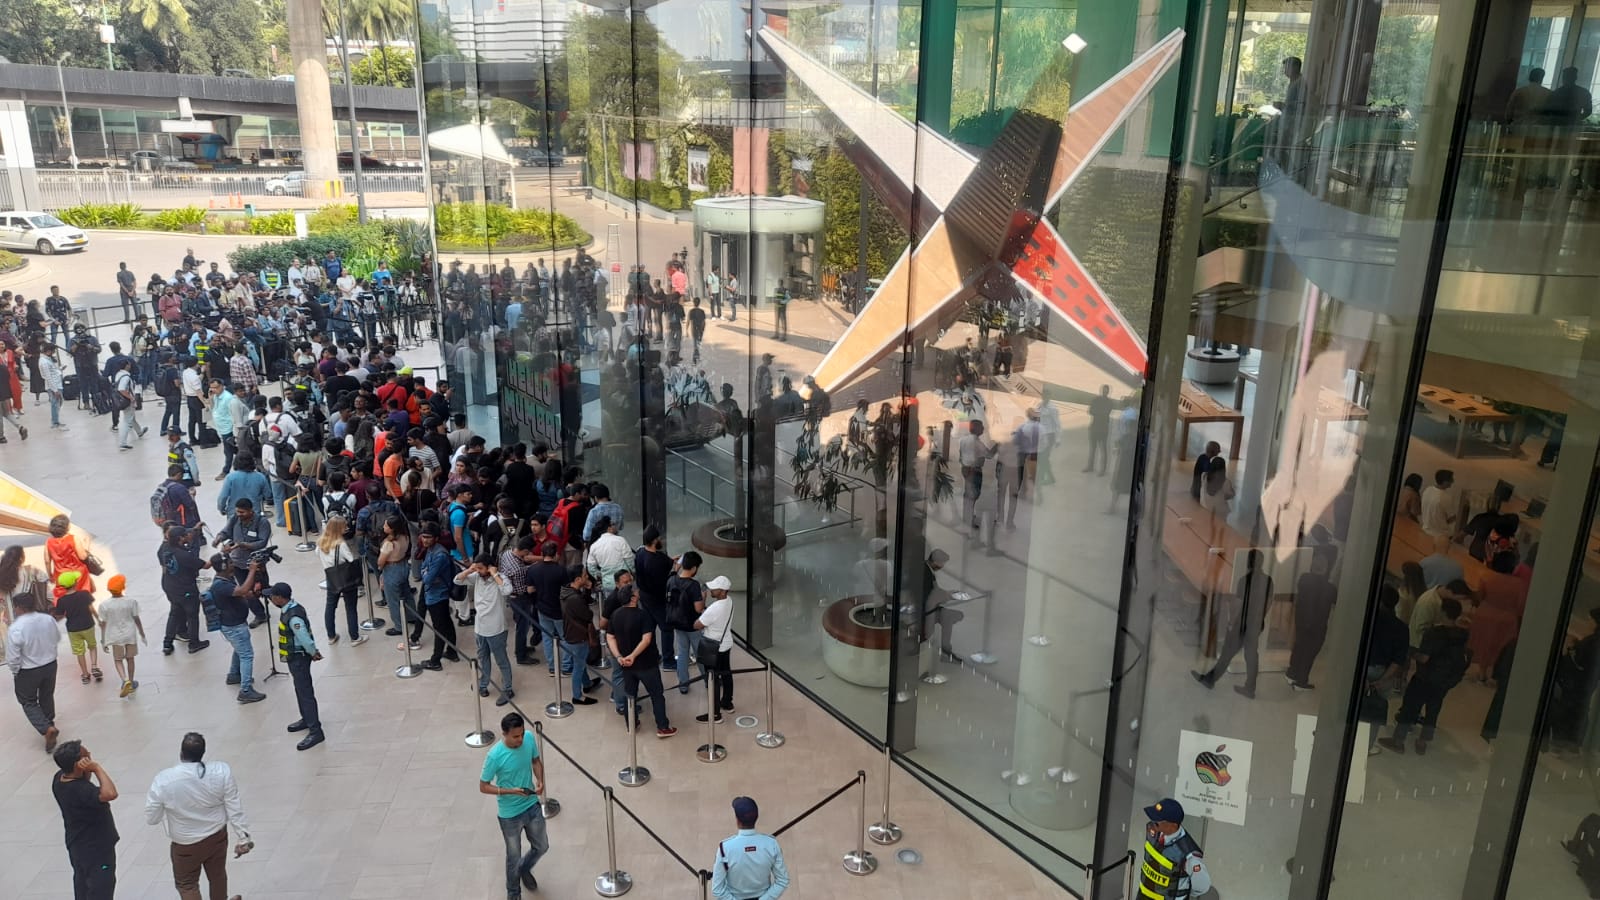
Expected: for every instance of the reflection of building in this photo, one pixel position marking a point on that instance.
(1407, 286)
(506, 31)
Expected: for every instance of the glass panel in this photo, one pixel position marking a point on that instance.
(1281, 371)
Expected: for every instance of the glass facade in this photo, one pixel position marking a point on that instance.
(1092, 401)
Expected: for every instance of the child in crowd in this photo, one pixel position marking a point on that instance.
(119, 624)
(76, 608)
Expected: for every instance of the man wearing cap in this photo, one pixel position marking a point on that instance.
(749, 865)
(1173, 866)
(298, 649)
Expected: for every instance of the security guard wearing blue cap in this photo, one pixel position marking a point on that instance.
(749, 865)
(1173, 866)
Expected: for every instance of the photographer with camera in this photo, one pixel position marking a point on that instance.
(247, 537)
(180, 566)
(233, 600)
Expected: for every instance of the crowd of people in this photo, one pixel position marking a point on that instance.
(382, 474)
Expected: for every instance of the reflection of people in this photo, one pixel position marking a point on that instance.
(1173, 864)
(934, 612)
(1202, 465)
(1528, 101)
(1251, 596)
(1569, 103)
(1438, 509)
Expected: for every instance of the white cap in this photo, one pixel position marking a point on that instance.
(719, 583)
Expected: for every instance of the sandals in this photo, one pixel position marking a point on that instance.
(86, 679)
(98, 675)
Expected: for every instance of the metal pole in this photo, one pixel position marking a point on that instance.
(934, 676)
(562, 707)
(1089, 878)
(613, 882)
(771, 738)
(350, 95)
(548, 804)
(634, 775)
(884, 831)
(410, 669)
(478, 737)
(860, 861)
(983, 657)
(711, 751)
(305, 545)
(1133, 858)
(371, 622)
(705, 884)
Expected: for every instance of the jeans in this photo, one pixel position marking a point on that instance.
(397, 592)
(551, 627)
(329, 619)
(130, 426)
(617, 697)
(663, 637)
(527, 619)
(305, 694)
(55, 408)
(685, 642)
(531, 823)
(244, 656)
(493, 645)
(444, 630)
(230, 448)
(172, 414)
(576, 655)
(280, 493)
(720, 672)
(36, 692)
(650, 677)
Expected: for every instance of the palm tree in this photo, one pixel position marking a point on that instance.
(373, 20)
(164, 19)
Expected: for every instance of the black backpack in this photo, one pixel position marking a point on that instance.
(680, 603)
(164, 383)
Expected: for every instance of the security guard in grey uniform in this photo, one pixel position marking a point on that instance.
(1173, 867)
(749, 865)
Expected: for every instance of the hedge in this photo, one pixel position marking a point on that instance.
(400, 242)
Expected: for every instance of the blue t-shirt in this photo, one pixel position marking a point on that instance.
(458, 519)
(510, 768)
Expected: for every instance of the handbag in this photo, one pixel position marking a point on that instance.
(93, 564)
(344, 574)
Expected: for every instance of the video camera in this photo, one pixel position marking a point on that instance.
(265, 555)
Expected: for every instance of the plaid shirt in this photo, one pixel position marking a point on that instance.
(243, 374)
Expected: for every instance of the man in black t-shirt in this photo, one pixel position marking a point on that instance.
(546, 577)
(697, 327)
(631, 636)
(651, 568)
(91, 831)
(685, 603)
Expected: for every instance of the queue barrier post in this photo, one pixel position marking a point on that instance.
(634, 775)
(371, 622)
(305, 545)
(478, 737)
(711, 751)
(561, 707)
(770, 737)
(613, 882)
(860, 861)
(410, 669)
(548, 804)
(884, 831)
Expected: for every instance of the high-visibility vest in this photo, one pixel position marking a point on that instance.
(1162, 877)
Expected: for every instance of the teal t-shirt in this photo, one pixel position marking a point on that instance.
(508, 768)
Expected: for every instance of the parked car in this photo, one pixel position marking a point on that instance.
(27, 230)
(542, 158)
(367, 162)
(153, 161)
(292, 183)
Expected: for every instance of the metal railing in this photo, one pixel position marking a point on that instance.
(780, 509)
(63, 189)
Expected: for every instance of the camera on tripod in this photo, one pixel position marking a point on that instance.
(266, 555)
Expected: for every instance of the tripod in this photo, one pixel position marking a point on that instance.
(272, 651)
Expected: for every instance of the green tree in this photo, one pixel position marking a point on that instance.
(212, 44)
(37, 32)
(163, 19)
(1400, 61)
(393, 66)
(1260, 62)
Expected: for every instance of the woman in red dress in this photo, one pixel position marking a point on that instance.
(62, 554)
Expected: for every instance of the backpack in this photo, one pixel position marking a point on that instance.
(340, 505)
(680, 612)
(372, 517)
(549, 494)
(164, 386)
(160, 512)
(558, 527)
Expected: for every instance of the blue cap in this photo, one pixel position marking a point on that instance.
(1165, 810)
(281, 589)
(744, 809)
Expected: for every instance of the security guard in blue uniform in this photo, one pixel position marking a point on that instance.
(749, 865)
(1173, 867)
(298, 649)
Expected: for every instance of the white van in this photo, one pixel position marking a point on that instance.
(25, 230)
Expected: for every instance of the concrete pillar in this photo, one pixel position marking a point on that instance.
(22, 179)
(313, 101)
(1261, 449)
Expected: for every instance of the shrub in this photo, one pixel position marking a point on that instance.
(361, 247)
(278, 223)
(331, 217)
(477, 225)
(9, 261)
(187, 218)
(102, 215)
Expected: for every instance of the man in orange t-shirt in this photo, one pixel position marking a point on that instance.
(392, 467)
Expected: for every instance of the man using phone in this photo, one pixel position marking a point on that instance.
(513, 773)
(85, 792)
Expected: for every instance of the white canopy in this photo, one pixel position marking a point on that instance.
(471, 141)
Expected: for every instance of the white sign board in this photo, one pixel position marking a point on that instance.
(1213, 776)
(1305, 732)
(699, 169)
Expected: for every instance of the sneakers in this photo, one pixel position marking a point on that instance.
(1205, 681)
(664, 733)
(1392, 745)
(432, 665)
(127, 688)
(251, 696)
(504, 698)
(197, 647)
(358, 640)
(585, 701)
(702, 717)
(180, 639)
(232, 679)
(333, 639)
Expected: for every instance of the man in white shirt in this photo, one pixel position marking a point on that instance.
(609, 554)
(973, 452)
(1438, 508)
(489, 589)
(716, 624)
(296, 273)
(31, 645)
(197, 803)
(194, 391)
